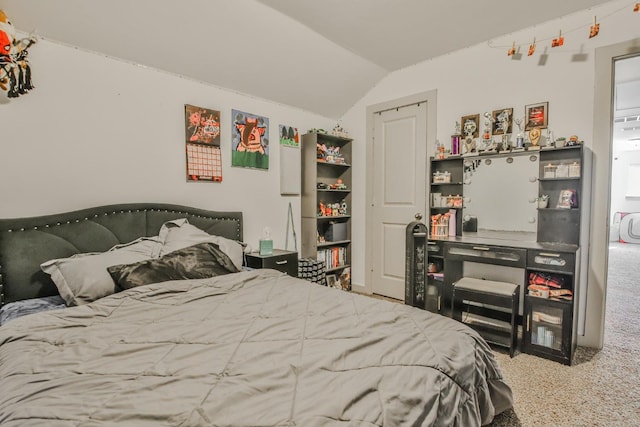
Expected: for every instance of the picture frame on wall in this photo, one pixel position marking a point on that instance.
(502, 121)
(536, 115)
(471, 125)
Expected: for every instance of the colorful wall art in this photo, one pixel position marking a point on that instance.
(202, 136)
(250, 140)
(289, 136)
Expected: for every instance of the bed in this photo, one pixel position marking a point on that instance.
(178, 342)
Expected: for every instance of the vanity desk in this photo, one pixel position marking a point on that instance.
(514, 225)
(549, 324)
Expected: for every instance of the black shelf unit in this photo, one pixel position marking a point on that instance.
(550, 323)
(556, 251)
(560, 225)
(318, 175)
(453, 166)
(435, 276)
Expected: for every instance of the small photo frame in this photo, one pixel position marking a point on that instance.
(471, 123)
(568, 199)
(502, 121)
(536, 115)
(331, 280)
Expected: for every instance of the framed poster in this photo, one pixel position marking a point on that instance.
(502, 121)
(471, 125)
(536, 115)
(202, 138)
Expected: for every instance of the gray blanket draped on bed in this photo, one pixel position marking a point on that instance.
(252, 348)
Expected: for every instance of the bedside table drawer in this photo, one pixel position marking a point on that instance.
(285, 261)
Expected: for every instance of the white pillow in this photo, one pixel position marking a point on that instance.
(178, 234)
(84, 278)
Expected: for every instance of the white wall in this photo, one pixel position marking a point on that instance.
(482, 78)
(621, 185)
(97, 131)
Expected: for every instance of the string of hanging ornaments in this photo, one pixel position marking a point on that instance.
(594, 30)
(15, 72)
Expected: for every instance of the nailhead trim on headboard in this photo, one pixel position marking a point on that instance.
(10, 230)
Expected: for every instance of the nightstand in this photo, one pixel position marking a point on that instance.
(281, 260)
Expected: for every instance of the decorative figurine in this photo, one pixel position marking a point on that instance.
(343, 208)
(338, 130)
(503, 120)
(550, 140)
(339, 185)
(520, 136)
(321, 151)
(534, 137)
(455, 140)
(328, 210)
(332, 155)
(486, 134)
(441, 150)
(573, 141)
(314, 130)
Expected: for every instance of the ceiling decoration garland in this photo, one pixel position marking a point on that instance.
(15, 72)
(594, 30)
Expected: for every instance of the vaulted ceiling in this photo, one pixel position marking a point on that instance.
(317, 55)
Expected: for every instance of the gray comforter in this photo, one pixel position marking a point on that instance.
(255, 348)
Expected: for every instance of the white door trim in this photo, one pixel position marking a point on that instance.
(600, 190)
(430, 98)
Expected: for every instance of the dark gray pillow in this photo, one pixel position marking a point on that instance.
(194, 262)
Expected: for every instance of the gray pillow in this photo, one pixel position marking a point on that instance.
(199, 261)
(83, 278)
(178, 234)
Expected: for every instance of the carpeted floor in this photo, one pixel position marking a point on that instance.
(602, 388)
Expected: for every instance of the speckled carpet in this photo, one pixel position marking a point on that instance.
(602, 388)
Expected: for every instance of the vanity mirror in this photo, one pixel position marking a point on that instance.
(501, 193)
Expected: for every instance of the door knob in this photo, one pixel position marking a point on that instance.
(418, 216)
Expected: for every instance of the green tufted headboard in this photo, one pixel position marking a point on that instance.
(25, 243)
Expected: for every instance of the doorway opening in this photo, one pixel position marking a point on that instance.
(624, 204)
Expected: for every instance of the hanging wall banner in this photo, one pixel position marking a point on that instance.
(250, 141)
(204, 159)
(15, 72)
(289, 161)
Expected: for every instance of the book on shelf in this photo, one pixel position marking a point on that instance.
(333, 257)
